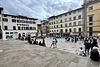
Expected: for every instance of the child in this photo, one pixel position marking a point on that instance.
(81, 52)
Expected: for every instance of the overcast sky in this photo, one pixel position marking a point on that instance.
(40, 9)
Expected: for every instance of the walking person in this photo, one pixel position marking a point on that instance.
(53, 42)
(75, 39)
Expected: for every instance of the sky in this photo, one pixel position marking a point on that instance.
(41, 9)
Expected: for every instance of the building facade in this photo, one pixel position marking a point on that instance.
(93, 18)
(69, 23)
(45, 27)
(11, 26)
(39, 30)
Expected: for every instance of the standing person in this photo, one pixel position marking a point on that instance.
(87, 46)
(72, 39)
(94, 44)
(43, 43)
(99, 42)
(29, 39)
(53, 42)
(75, 39)
(95, 54)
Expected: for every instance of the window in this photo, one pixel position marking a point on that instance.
(7, 32)
(91, 8)
(14, 27)
(61, 21)
(34, 28)
(70, 24)
(74, 12)
(52, 30)
(66, 25)
(70, 19)
(79, 10)
(74, 18)
(30, 28)
(74, 23)
(57, 30)
(61, 25)
(5, 15)
(79, 17)
(79, 23)
(54, 26)
(66, 20)
(54, 22)
(13, 20)
(70, 30)
(24, 28)
(5, 19)
(90, 23)
(27, 28)
(61, 16)
(69, 13)
(79, 29)
(6, 27)
(16, 32)
(65, 14)
(57, 26)
(90, 28)
(74, 29)
(90, 18)
(18, 28)
(11, 32)
(65, 30)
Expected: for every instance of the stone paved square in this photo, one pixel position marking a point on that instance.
(16, 53)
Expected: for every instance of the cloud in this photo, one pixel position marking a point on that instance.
(40, 9)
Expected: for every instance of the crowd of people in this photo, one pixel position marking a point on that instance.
(91, 44)
(92, 48)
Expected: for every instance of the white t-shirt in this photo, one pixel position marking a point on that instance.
(81, 52)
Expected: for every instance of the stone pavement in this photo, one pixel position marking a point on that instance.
(64, 45)
(15, 53)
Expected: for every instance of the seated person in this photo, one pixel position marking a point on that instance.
(95, 54)
(81, 52)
